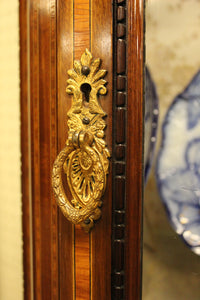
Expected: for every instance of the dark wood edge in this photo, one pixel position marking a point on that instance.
(134, 162)
(25, 163)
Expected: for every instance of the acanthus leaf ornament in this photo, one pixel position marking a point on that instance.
(85, 159)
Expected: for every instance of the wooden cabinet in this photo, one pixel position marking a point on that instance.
(61, 261)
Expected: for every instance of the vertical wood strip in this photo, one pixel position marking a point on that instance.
(64, 63)
(134, 183)
(82, 264)
(81, 27)
(101, 46)
(35, 155)
(44, 144)
(82, 239)
(25, 151)
(42, 114)
(119, 148)
(53, 150)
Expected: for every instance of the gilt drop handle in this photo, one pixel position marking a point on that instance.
(83, 163)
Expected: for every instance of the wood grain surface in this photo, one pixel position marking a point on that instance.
(101, 46)
(82, 239)
(64, 63)
(25, 152)
(82, 264)
(39, 145)
(81, 27)
(134, 182)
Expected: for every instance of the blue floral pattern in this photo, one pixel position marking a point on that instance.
(151, 121)
(178, 165)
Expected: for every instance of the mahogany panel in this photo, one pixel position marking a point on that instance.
(44, 139)
(53, 148)
(64, 63)
(25, 152)
(82, 240)
(81, 27)
(38, 144)
(34, 131)
(134, 182)
(82, 264)
(101, 46)
(43, 145)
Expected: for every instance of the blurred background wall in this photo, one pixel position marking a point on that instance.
(11, 270)
(170, 269)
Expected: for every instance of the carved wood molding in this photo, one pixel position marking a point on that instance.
(128, 66)
(119, 148)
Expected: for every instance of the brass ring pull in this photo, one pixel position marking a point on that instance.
(84, 160)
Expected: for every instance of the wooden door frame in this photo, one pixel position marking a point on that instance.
(127, 150)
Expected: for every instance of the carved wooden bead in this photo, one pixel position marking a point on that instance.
(121, 30)
(121, 99)
(120, 167)
(119, 217)
(120, 125)
(121, 56)
(119, 255)
(121, 13)
(120, 190)
(119, 232)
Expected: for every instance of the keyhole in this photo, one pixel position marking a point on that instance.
(86, 89)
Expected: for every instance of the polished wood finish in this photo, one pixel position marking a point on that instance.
(42, 116)
(38, 72)
(134, 179)
(82, 264)
(25, 151)
(60, 260)
(64, 63)
(101, 46)
(82, 239)
(81, 27)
